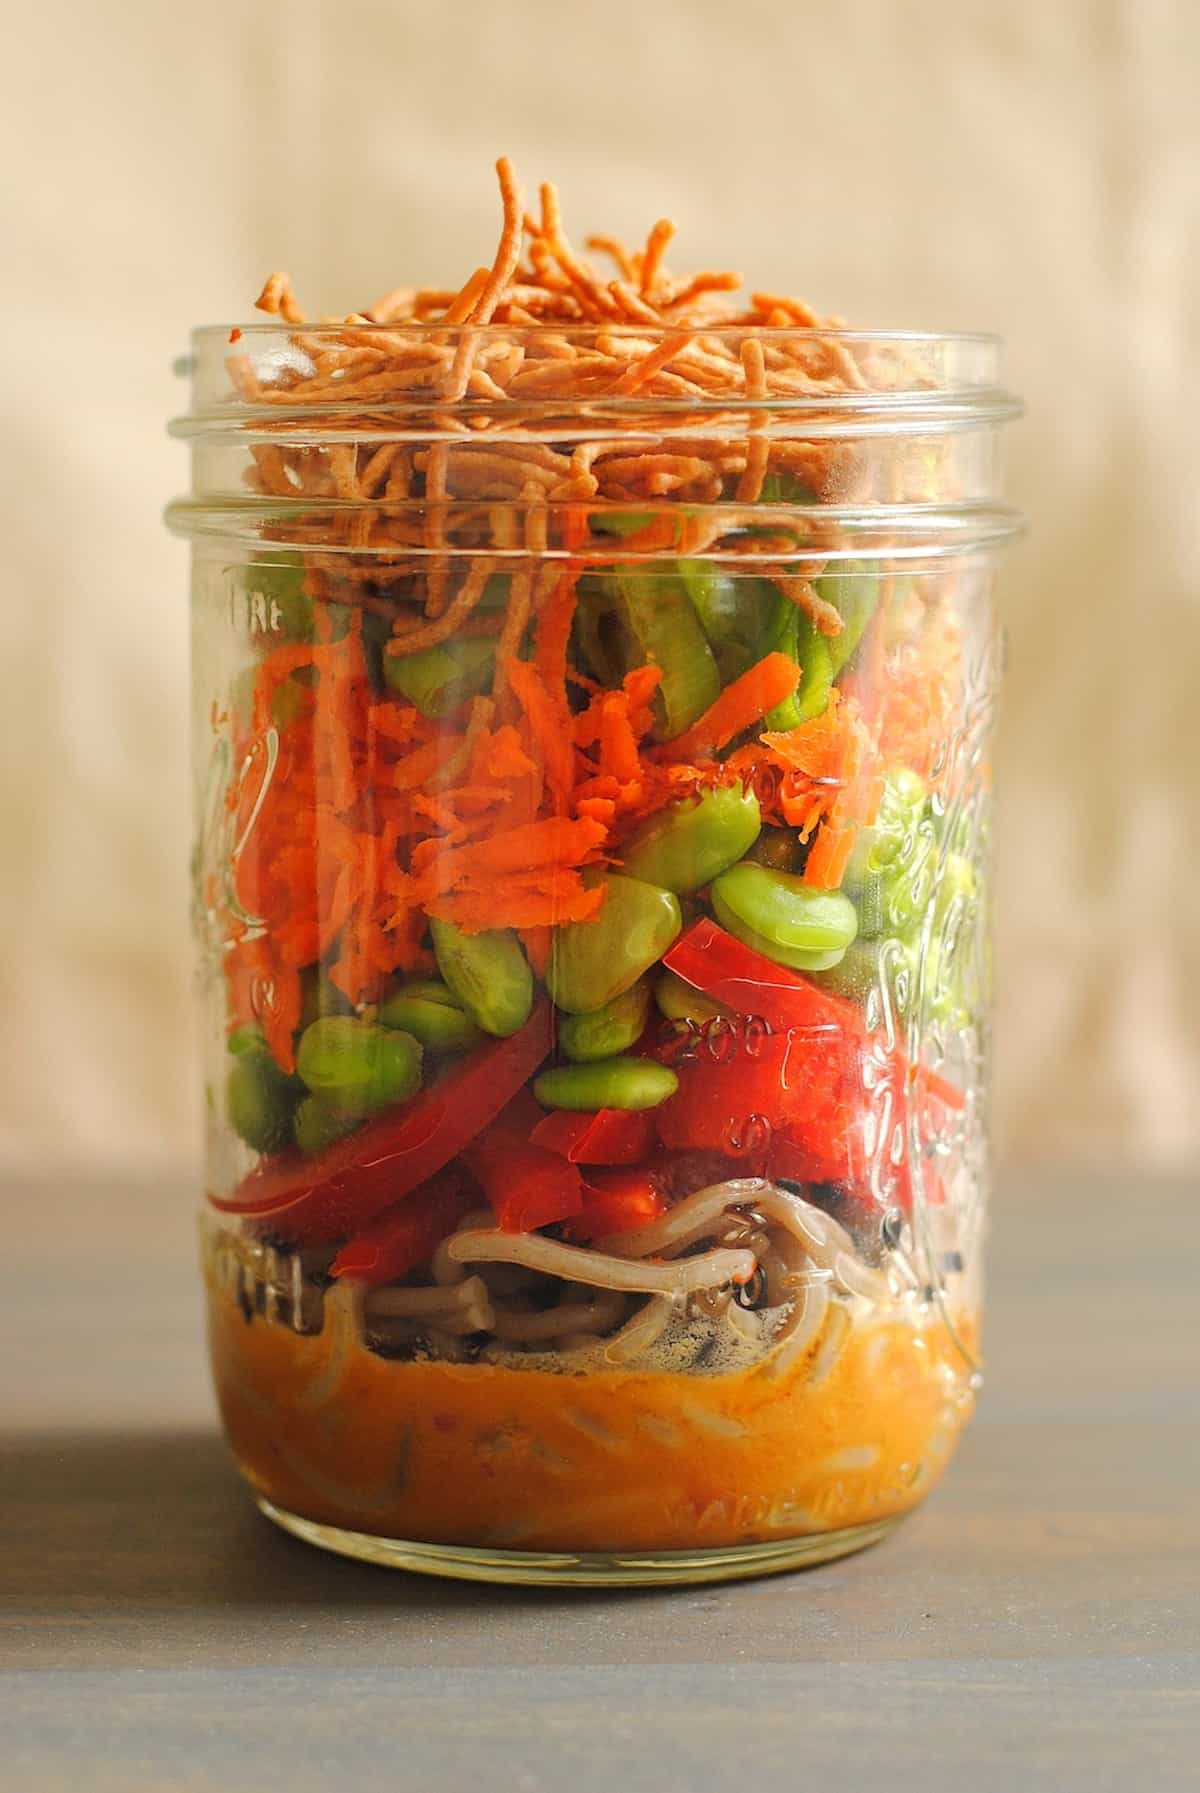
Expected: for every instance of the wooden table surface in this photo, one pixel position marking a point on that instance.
(1037, 1625)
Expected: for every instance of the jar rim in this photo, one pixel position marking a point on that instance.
(915, 534)
(335, 329)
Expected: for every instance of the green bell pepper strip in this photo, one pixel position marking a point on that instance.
(853, 590)
(441, 679)
(735, 612)
(599, 636)
(619, 522)
(797, 636)
(785, 488)
(745, 618)
(664, 631)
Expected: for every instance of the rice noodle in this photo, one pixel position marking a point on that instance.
(825, 1241)
(858, 1278)
(343, 1322)
(801, 1328)
(574, 1263)
(837, 1331)
(445, 1269)
(645, 1329)
(598, 1315)
(693, 1218)
(744, 1322)
(784, 1265)
(463, 1307)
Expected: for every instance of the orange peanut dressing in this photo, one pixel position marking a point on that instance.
(856, 1429)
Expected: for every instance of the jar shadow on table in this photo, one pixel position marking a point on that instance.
(128, 1522)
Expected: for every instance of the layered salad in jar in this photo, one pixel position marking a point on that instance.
(590, 883)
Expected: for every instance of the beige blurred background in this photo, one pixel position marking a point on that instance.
(1030, 168)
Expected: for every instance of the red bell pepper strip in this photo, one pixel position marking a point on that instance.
(333, 1193)
(711, 960)
(526, 1185)
(405, 1235)
(616, 1201)
(795, 1096)
(609, 1136)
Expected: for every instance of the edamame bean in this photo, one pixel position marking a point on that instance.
(782, 917)
(488, 973)
(688, 844)
(591, 962)
(612, 1029)
(315, 1124)
(606, 1083)
(679, 1002)
(259, 1099)
(429, 1012)
(358, 1066)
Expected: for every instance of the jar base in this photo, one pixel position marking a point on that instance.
(585, 1569)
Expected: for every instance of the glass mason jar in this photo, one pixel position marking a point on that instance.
(592, 785)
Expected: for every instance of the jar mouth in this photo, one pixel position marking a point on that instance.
(903, 380)
(796, 443)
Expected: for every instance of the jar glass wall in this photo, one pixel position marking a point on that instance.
(591, 898)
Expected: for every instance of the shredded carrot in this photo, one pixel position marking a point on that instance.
(547, 722)
(545, 903)
(618, 742)
(640, 687)
(420, 765)
(743, 703)
(554, 842)
(821, 749)
(375, 817)
(828, 856)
